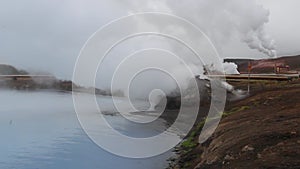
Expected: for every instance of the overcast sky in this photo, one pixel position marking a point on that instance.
(47, 35)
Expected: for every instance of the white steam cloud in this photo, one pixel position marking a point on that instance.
(220, 19)
(230, 68)
(54, 44)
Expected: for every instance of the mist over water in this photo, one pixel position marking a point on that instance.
(41, 130)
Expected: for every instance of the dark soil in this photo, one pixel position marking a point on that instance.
(261, 131)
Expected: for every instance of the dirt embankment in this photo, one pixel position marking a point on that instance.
(261, 131)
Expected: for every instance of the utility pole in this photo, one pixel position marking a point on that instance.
(249, 72)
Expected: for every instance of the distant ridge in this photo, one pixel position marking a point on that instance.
(12, 78)
(266, 65)
(8, 70)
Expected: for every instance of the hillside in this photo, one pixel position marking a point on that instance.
(266, 65)
(10, 70)
(261, 131)
(48, 82)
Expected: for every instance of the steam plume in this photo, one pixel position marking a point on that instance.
(220, 19)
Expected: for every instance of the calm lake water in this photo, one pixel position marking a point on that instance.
(40, 130)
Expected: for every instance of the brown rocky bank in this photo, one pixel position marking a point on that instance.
(261, 131)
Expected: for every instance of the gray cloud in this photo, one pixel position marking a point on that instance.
(48, 35)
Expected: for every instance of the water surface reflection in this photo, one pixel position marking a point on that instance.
(40, 130)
